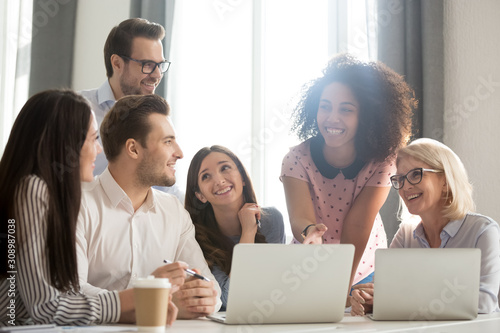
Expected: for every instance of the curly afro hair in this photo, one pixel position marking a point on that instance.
(386, 102)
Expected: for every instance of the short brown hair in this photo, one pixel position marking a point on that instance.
(128, 119)
(120, 38)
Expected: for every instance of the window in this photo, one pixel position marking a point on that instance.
(15, 48)
(237, 67)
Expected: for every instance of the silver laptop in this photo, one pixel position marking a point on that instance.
(278, 283)
(426, 284)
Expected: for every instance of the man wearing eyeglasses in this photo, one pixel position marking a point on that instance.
(135, 65)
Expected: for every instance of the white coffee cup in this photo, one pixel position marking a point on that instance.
(151, 303)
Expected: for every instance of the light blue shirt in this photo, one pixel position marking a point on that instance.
(473, 231)
(101, 100)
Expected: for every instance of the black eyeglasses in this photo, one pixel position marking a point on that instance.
(414, 176)
(149, 66)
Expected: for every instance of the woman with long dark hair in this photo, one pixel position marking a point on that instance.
(223, 206)
(51, 149)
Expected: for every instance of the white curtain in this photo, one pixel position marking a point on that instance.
(362, 28)
(15, 50)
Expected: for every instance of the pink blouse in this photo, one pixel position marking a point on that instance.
(332, 198)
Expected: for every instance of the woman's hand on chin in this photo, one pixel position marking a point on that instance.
(249, 216)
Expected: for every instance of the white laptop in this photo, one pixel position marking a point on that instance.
(426, 284)
(278, 283)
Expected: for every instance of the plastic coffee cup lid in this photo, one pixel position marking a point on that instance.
(152, 282)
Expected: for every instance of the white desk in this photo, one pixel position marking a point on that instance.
(482, 324)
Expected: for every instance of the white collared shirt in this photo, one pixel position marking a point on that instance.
(116, 245)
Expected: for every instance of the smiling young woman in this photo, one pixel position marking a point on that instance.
(352, 119)
(224, 209)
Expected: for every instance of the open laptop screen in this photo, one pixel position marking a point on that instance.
(278, 283)
(426, 284)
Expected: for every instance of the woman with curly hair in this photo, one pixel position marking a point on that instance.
(222, 204)
(352, 120)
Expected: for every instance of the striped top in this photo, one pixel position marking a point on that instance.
(26, 295)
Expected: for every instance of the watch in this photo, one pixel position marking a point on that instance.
(304, 232)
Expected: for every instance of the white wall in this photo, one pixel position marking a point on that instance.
(94, 21)
(472, 95)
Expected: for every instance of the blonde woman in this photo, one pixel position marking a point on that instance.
(433, 183)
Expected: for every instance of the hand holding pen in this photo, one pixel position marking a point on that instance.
(249, 217)
(190, 272)
(174, 272)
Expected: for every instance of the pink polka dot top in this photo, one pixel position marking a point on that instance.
(333, 192)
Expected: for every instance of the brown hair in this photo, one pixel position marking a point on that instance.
(127, 119)
(120, 38)
(46, 140)
(217, 248)
(386, 106)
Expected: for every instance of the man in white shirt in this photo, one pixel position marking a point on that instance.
(126, 228)
(133, 56)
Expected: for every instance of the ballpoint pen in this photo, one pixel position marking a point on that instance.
(190, 272)
(256, 218)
